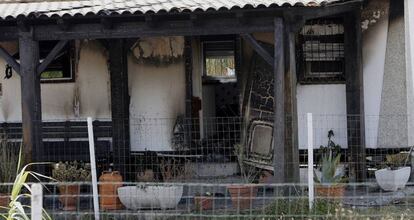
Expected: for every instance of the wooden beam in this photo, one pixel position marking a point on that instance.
(31, 97)
(259, 48)
(118, 68)
(10, 60)
(51, 56)
(22, 25)
(207, 23)
(242, 18)
(355, 96)
(188, 58)
(63, 24)
(327, 11)
(291, 116)
(107, 23)
(188, 64)
(134, 29)
(279, 160)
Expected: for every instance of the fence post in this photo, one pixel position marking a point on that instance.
(93, 168)
(36, 201)
(310, 160)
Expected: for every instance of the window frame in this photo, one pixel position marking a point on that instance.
(305, 77)
(70, 47)
(218, 39)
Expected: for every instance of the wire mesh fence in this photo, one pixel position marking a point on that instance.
(198, 149)
(225, 201)
(199, 160)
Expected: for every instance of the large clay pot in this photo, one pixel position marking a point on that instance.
(108, 190)
(203, 202)
(242, 196)
(330, 191)
(4, 200)
(69, 196)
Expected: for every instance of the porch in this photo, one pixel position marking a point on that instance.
(204, 149)
(118, 34)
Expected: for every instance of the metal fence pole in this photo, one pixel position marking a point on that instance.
(93, 169)
(37, 201)
(310, 160)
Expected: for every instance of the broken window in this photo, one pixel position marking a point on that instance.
(61, 68)
(219, 59)
(321, 51)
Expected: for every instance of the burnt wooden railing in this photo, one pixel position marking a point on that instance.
(67, 140)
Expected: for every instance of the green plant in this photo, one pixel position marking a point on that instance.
(16, 210)
(71, 172)
(173, 170)
(331, 147)
(300, 207)
(395, 161)
(329, 165)
(9, 157)
(249, 173)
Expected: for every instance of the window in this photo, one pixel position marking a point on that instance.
(321, 58)
(61, 68)
(219, 59)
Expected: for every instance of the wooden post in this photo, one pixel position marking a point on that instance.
(188, 62)
(188, 56)
(118, 68)
(31, 99)
(291, 116)
(279, 160)
(355, 96)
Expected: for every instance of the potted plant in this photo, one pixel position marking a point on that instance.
(9, 160)
(67, 173)
(329, 182)
(396, 173)
(203, 201)
(332, 149)
(242, 194)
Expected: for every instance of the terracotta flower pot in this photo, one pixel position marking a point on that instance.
(4, 200)
(203, 202)
(69, 196)
(108, 190)
(330, 191)
(242, 195)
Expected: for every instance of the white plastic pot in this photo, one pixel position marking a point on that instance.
(153, 197)
(392, 180)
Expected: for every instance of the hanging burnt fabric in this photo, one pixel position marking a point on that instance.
(321, 51)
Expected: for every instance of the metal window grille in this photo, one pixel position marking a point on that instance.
(322, 51)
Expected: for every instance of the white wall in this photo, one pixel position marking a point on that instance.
(409, 31)
(92, 82)
(374, 48)
(157, 98)
(327, 103)
(156, 92)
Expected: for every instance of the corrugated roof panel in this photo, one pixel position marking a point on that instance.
(83, 7)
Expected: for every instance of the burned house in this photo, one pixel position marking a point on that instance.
(194, 78)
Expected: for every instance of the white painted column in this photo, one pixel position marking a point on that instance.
(36, 201)
(93, 169)
(310, 160)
